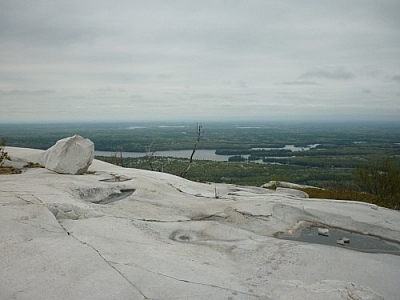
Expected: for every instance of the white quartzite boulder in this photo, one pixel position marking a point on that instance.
(72, 155)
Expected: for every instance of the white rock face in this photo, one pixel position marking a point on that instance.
(284, 184)
(163, 237)
(72, 155)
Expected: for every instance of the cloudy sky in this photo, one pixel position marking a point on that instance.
(199, 60)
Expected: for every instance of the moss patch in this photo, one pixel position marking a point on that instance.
(9, 170)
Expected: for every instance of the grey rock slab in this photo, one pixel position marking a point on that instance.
(292, 192)
(39, 260)
(253, 208)
(325, 289)
(172, 238)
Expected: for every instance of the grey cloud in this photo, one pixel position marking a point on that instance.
(176, 54)
(396, 78)
(388, 12)
(136, 96)
(299, 82)
(45, 22)
(110, 90)
(242, 84)
(26, 92)
(204, 96)
(337, 74)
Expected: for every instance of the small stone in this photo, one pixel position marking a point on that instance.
(346, 240)
(323, 231)
(340, 242)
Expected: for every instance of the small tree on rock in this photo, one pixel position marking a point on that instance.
(150, 151)
(3, 153)
(199, 136)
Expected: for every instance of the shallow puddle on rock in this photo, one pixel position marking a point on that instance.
(116, 179)
(358, 242)
(115, 196)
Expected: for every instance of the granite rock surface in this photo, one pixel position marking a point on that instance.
(117, 233)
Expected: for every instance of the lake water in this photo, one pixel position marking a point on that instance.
(200, 154)
(292, 148)
(359, 242)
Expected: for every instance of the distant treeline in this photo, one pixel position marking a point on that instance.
(339, 145)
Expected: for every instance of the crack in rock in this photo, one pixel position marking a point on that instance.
(105, 260)
(116, 178)
(218, 216)
(115, 196)
(251, 215)
(235, 292)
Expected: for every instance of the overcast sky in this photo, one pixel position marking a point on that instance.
(199, 60)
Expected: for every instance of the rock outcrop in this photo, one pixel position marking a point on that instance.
(72, 155)
(158, 236)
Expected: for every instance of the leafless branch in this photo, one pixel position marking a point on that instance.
(199, 135)
(150, 150)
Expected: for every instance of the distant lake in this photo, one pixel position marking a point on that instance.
(200, 154)
(292, 148)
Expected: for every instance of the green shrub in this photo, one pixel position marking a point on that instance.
(3, 153)
(339, 194)
(382, 180)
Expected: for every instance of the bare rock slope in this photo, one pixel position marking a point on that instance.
(116, 233)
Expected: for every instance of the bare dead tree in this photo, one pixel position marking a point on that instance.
(3, 153)
(150, 150)
(119, 161)
(199, 135)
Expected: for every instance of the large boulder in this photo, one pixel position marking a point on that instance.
(72, 155)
